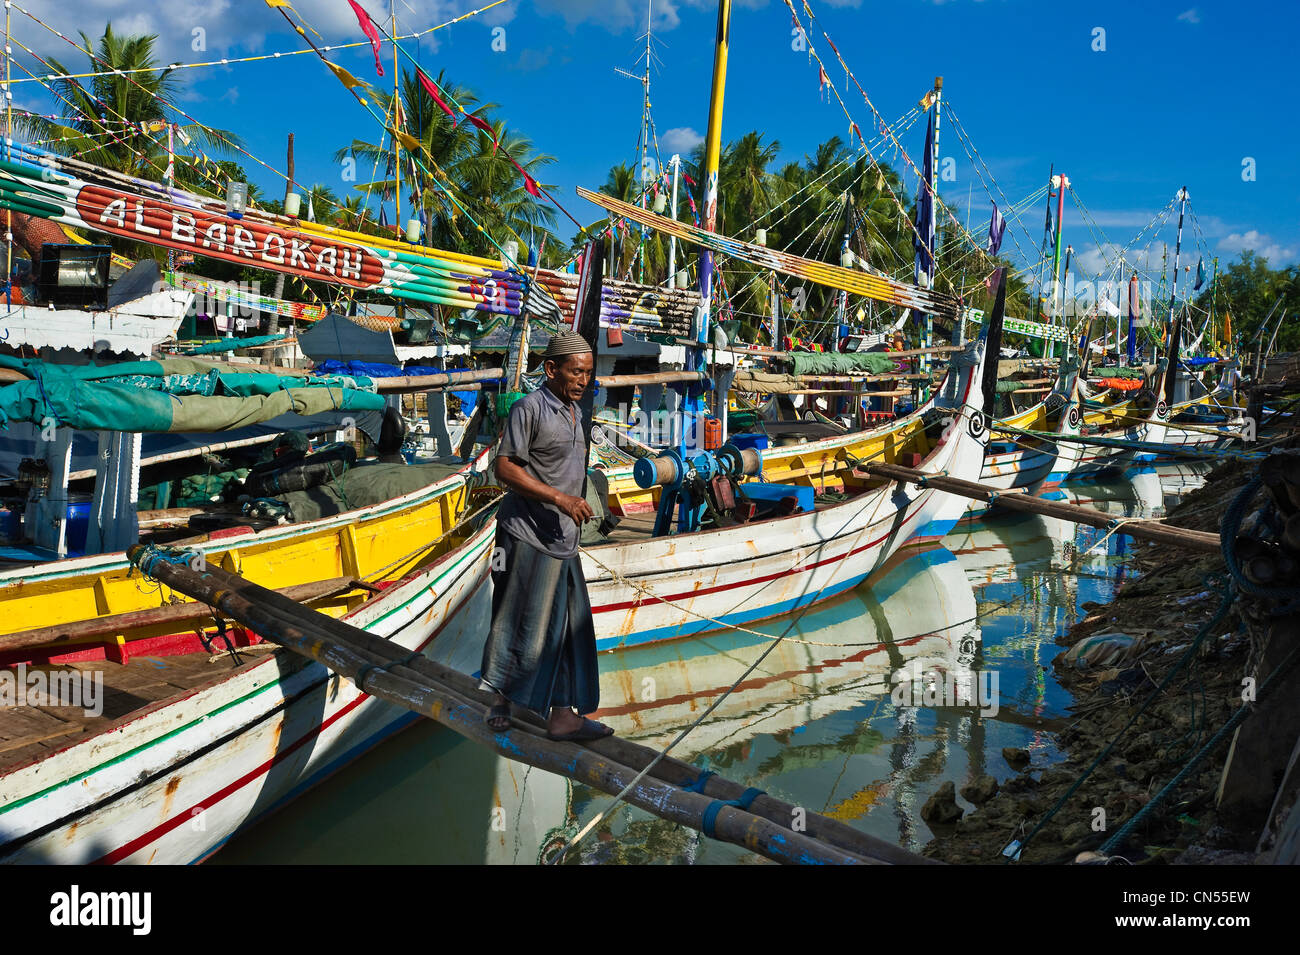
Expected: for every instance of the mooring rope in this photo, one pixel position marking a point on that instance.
(1016, 847)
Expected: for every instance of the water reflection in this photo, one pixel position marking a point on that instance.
(818, 722)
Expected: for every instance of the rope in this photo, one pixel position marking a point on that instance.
(1214, 743)
(880, 498)
(1016, 847)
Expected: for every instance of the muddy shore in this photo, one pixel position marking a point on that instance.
(1156, 616)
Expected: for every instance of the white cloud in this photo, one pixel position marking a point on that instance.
(616, 16)
(680, 139)
(1263, 246)
(228, 27)
(1190, 16)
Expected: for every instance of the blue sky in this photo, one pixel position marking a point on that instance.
(1183, 93)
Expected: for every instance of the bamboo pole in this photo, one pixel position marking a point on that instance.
(1018, 500)
(651, 378)
(450, 379)
(389, 672)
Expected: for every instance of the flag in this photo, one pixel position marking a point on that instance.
(538, 303)
(311, 209)
(923, 239)
(486, 127)
(689, 181)
(994, 280)
(822, 81)
(997, 229)
(1200, 274)
(529, 182)
(389, 170)
(432, 90)
(531, 185)
(368, 28)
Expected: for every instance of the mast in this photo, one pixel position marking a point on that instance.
(9, 133)
(1132, 317)
(846, 260)
(1214, 331)
(1173, 288)
(712, 156)
(397, 120)
(1042, 246)
(930, 238)
(645, 126)
(672, 240)
(1062, 182)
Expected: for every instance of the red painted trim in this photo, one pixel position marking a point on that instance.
(152, 835)
(609, 608)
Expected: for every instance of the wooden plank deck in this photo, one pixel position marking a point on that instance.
(31, 731)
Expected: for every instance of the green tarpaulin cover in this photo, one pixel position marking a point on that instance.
(173, 395)
(835, 363)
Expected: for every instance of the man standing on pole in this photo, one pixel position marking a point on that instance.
(541, 650)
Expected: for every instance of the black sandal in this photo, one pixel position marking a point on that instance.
(499, 711)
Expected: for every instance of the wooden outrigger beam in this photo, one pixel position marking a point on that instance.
(672, 790)
(1018, 500)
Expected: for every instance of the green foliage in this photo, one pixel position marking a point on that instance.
(463, 159)
(1247, 290)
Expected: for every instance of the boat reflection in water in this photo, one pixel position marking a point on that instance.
(819, 722)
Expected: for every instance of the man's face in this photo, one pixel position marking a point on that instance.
(569, 376)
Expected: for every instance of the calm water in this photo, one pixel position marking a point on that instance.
(815, 723)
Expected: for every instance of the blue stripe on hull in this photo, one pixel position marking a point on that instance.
(933, 531)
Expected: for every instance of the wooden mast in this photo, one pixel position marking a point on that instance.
(709, 183)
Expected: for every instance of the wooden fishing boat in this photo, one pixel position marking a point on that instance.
(81, 608)
(189, 749)
(917, 610)
(647, 588)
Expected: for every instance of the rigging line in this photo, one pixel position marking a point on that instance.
(398, 48)
(812, 53)
(881, 495)
(968, 144)
(432, 178)
(161, 101)
(880, 119)
(165, 103)
(230, 61)
(834, 169)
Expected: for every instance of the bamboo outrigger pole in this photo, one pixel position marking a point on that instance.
(671, 789)
(1018, 500)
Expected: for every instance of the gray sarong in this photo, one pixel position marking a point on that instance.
(541, 649)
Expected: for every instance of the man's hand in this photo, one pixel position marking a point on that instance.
(576, 507)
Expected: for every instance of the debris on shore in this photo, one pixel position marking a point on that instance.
(1157, 675)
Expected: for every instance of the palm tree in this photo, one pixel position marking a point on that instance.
(103, 119)
(462, 160)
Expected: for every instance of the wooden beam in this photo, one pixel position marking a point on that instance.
(389, 672)
(179, 615)
(1017, 500)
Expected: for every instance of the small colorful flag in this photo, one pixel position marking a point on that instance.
(368, 28)
(997, 229)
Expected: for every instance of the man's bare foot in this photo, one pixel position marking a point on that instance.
(563, 721)
(498, 717)
(565, 724)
